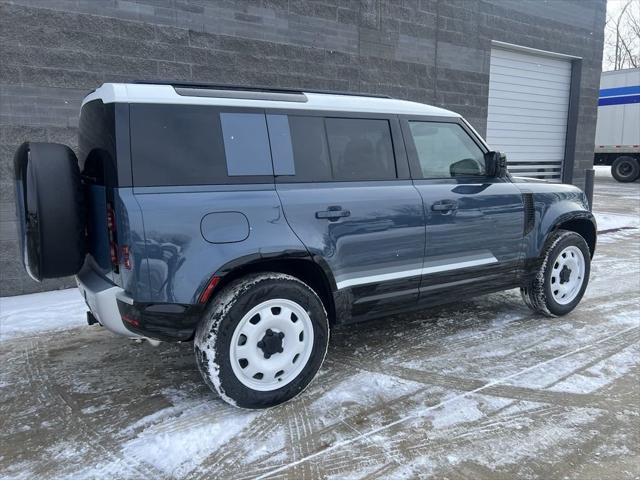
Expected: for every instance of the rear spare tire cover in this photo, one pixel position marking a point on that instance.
(49, 202)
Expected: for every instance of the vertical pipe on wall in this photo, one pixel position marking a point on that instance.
(572, 122)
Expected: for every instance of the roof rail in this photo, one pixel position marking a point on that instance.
(245, 88)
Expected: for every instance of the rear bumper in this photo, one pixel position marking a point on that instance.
(102, 298)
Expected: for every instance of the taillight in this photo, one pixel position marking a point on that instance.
(126, 257)
(111, 219)
(113, 251)
(113, 239)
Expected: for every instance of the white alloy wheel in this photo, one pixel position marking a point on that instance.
(567, 275)
(271, 344)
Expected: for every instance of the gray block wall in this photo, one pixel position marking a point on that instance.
(52, 52)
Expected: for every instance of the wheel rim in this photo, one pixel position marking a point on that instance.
(567, 275)
(271, 344)
(624, 169)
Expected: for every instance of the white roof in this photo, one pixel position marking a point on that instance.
(166, 94)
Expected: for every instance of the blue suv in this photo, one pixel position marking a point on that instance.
(252, 220)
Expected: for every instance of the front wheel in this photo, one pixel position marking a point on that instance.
(262, 341)
(562, 276)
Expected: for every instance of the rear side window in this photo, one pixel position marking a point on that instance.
(360, 149)
(197, 145)
(340, 149)
(310, 149)
(246, 144)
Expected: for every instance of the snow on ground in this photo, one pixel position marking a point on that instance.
(26, 315)
(610, 221)
(480, 389)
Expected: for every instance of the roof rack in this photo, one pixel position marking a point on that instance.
(245, 88)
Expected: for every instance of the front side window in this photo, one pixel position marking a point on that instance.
(445, 150)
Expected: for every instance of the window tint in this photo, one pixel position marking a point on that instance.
(176, 145)
(310, 150)
(186, 145)
(246, 144)
(281, 149)
(360, 149)
(97, 143)
(446, 150)
(331, 149)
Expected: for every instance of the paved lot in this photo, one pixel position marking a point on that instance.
(481, 389)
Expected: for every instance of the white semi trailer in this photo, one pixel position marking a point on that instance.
(618, 127)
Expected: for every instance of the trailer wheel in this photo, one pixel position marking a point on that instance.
(625, 169)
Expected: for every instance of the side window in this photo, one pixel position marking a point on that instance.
(445, 150)
(176, 145)
(360, 149)
(246, 144)
(331, 149)
(197, 145)
(310, 150)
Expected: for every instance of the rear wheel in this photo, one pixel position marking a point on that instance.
(562, 277)
(262, 340)
(50, 209)
(625, 169)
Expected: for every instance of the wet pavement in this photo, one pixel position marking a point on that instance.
(480, 389)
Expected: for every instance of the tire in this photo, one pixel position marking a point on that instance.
(50, 210)
(625, 169)
(566, 252)
(262, 370)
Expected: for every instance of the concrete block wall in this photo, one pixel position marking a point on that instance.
(52, 52)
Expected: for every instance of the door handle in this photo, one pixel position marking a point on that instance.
(444, 206)
(333, 213)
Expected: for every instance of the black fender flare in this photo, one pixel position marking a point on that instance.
(255, 259)
(567, 218)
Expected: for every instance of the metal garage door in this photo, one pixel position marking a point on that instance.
(528, 107)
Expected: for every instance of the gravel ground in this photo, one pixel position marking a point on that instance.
(481, 389)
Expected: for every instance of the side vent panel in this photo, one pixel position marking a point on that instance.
(529, 212)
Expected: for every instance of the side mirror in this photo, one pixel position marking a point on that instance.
(465, 167)
(495, 164)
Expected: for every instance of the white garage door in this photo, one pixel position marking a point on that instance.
(528, 107)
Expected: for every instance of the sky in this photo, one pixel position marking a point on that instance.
(614, 7)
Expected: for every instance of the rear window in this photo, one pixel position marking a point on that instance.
(198, 145)
(339, 149)
(97, 143)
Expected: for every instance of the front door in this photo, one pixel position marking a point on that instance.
(351, 202)
(474, 223)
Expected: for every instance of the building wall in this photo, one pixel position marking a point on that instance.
(52, 52)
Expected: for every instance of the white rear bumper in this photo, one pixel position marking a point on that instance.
(101, 296)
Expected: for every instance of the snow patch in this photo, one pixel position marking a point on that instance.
(602, 373)
(176, 450)
(37, 313)
(608, 221)
(362, 389)
(463, 410)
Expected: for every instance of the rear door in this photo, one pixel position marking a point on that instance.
(474, 222)
(345, 188)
